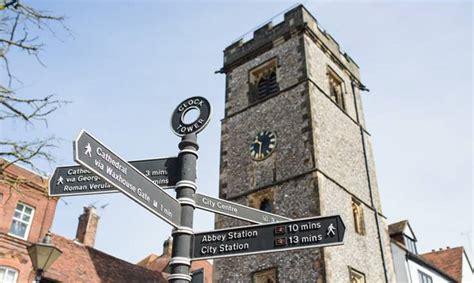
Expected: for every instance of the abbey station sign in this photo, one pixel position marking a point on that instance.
(143, 181)
(275, 237)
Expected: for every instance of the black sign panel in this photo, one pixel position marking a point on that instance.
(96, 157)
(77, 180)
(236, 210)
(197, 103)
(300, 234)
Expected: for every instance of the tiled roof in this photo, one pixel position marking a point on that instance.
(449, 260)
(148, 260)
(79, 263)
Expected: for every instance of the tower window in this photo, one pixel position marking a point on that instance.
(263, 80)
(336, 89)
(265, 276)
(356, 276)
(262, 200)
(358, 214)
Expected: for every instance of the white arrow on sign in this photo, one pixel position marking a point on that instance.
(95, 156)
(236, 210)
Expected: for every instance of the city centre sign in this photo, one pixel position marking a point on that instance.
(236, 210)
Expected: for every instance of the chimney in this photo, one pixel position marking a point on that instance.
(87, 227)
(168, 246)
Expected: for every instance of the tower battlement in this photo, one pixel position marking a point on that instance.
(267, 36)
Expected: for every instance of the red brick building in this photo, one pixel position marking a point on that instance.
(26, 215)
(453, 261)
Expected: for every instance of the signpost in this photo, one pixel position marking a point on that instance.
(236, 210)
(77, 180)
(96, 157)
(277, 237)
(103, 171)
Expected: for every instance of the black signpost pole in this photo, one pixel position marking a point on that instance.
(180, 262)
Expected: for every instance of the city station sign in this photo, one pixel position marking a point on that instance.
(283, 236)
(77, 180)
(96, 157)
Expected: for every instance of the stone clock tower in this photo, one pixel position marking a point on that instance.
(294, 142)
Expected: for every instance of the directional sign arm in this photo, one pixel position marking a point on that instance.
(96, 157)
(276, 237)
(236, 210)
(78, 180)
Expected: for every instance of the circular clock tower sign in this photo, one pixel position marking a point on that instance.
(182, 124)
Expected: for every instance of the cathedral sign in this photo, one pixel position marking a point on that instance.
(96, 157)
(77, 180)
(277, 237)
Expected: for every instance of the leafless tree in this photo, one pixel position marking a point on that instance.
(20, 29)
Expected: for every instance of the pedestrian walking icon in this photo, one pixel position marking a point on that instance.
(88, 150)
(331, 231)
(60, 181)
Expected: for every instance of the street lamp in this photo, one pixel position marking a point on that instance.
(43, 255)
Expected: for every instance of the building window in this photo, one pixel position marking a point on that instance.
(410, 244)
(262, 200)
(336, 89)
(22, 219)
(263, 81)
(358, 214)
(8, 275)
(356, 276)
(265, 276)
(424, 278)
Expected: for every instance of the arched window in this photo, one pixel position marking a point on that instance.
(336, 91)
(358, 214)
(8, 274)
(356, 276)
(263, 80)
(266, 205)
(265, 276)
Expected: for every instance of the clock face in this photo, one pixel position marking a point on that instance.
(263, 145)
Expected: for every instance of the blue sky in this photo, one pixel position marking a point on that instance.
(129, 63)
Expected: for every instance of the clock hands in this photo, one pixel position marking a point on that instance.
(259, 146)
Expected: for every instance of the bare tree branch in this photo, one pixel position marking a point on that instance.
(21, 27)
